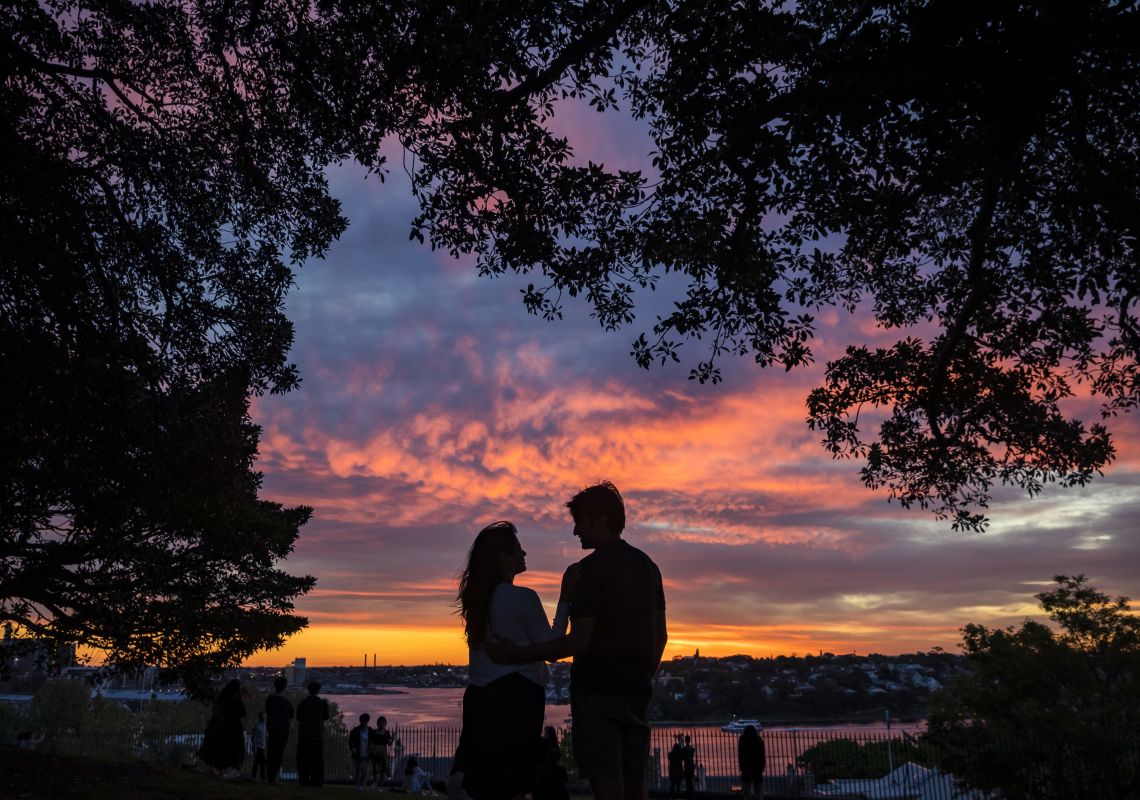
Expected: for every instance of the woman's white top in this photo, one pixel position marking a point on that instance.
(516, 615)
(417, 781)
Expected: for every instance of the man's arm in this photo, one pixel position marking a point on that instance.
(662, 636)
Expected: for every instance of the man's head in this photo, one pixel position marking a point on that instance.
(364, 719)
(261, 716)
(599, 514)
(279, 684)
(314, 688)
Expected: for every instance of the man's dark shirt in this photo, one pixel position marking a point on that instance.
(620, 588)
(311, 715)
(278, 711)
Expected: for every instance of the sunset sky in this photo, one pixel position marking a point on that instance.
(433, 404)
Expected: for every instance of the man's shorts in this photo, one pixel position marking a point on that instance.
(611, 735)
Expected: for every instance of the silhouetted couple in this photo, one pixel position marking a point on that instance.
(614, 602)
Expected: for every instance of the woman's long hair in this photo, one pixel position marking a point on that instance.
(230, 691)
(484, 571)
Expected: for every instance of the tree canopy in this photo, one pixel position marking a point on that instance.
(967, 173)
(155, 190)
(1048, 713)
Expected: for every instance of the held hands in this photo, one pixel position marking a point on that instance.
(502, 651)
(569, 581)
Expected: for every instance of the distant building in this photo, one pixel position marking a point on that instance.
(297, 673)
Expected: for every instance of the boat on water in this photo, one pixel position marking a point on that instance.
(738, 725)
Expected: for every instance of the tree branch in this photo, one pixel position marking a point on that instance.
(975, 271)
(574, 52)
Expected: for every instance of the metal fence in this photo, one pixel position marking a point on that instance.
(799, 762)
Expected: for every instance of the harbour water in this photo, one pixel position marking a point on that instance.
(427, 707)
(444, 708)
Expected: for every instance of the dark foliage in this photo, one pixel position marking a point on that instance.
(965, 172)
(156, 168)
(846, 758)
(1048, 714)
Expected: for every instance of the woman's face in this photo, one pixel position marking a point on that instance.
(514, 560)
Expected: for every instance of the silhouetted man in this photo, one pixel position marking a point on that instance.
(617, 636)
(360, 749)
(278, 714)
(312, 712)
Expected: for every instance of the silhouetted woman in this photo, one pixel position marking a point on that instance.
(223, 746)
(549, 742)
(504, 704)
(750, 753)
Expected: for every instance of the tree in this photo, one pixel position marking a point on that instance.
(155, 173)
(847, 758)
(1048, 713)
(966, 173)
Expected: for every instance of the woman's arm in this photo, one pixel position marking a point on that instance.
(534, 622)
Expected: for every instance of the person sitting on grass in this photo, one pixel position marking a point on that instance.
(415, 779)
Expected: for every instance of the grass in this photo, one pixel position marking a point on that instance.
(29, 775)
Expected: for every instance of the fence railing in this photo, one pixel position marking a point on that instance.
(798, 761)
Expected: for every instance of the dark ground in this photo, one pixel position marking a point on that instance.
(28, 775)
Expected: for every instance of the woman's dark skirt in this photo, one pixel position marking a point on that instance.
(502, 726)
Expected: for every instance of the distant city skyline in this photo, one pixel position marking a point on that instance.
(432, 404)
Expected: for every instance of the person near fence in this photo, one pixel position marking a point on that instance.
(359, 748)
(617, 635)
(258, 739)
(548, 742)
(415, 779)
(552, 779)
(676, 770)
(223, 745)
(751, 757)
(278, 715)
(689, 766)
(503, 704)
(378, 745)
(312, 713)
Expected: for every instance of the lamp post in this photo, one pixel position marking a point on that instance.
(890, 755)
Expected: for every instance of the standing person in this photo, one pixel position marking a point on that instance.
(379, 743)
(223, 746)
(549, 742)
(278, 714)
(258, 736)
(312, 712)
(617, 635)
(676, 770)
(358, 748)
(504, 704)
(751, 756)
(689, 765)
